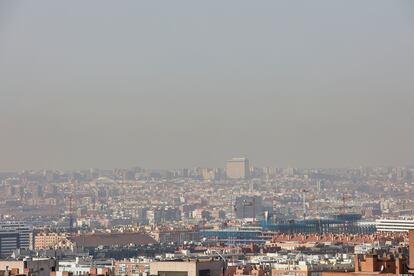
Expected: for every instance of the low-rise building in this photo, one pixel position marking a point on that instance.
(52, 240)
(394, 225)
(29, 266)
(85, 266)
(303, 268)
(188, 268)
(132, 267)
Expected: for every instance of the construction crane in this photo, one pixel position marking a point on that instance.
(345, 197)
(304, 202)
(70, 214)
(315, 198)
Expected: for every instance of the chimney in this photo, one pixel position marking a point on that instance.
(357, 263)
(399, 265)
(411, 249)
(93, 271)
(371, 263)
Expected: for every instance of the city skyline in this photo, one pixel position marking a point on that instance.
(223, 166)
(220, 166)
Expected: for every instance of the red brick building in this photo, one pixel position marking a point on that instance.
(373, 264)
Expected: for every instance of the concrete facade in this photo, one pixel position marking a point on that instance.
(187, 268)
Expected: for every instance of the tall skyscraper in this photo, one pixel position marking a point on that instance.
(238, 168)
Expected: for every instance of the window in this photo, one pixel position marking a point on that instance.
(204, 272)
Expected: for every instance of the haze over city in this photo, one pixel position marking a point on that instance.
(215, 138)
(105, 84)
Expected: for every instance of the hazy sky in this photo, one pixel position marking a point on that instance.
(167, 84)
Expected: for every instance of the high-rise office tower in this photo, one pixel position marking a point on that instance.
(238, 168)
(15, 235)
(248, 207)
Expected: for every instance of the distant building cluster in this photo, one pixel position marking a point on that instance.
(235, 220)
